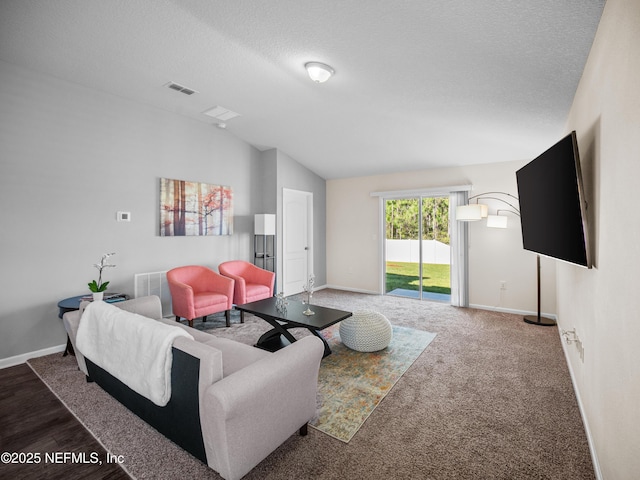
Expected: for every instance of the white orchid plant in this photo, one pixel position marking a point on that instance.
(98, 286)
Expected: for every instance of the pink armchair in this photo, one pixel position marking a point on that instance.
(251, 283)
(199, 291)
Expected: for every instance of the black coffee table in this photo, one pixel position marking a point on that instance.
(279, 336)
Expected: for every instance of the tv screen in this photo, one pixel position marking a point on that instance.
(552, 205)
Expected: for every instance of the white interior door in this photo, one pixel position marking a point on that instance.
(297, 208)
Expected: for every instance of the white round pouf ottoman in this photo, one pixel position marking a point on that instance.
(366, 331)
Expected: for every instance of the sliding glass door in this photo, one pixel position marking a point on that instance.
(417, 251)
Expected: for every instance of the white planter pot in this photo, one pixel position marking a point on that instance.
(97, 296)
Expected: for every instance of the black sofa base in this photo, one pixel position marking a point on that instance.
(178, 420)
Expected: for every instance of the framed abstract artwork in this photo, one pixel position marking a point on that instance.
(194, 209)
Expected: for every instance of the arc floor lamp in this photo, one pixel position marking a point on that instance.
(477, 211)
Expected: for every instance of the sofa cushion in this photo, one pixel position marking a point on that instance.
(236, 355)
(146, 306)
(198, 335)
(136, 350)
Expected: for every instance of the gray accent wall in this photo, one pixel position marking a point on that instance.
(70, 158)
(292, 175)
(267, 181)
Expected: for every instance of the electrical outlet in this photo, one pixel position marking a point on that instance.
(580, 348)
(503, 285)
(571, 336)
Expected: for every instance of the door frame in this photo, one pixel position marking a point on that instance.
(420, 199)
(424, 192)
(285, 225)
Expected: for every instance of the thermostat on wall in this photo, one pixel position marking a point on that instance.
(124, 216)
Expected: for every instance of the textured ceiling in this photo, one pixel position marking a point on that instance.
(419, 84)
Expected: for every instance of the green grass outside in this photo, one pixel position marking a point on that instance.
(436, 277)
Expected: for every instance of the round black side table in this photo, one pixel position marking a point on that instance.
(73, 303)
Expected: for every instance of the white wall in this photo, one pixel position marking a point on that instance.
(602, 303)
(69, 159)
(495, 255)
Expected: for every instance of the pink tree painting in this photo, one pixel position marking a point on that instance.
(194, 208)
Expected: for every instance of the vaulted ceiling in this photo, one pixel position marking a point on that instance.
(419, 83)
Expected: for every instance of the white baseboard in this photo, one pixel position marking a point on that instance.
(480, 307)
(19, 359)
(354, 290)
(590, 441)
(512, 310)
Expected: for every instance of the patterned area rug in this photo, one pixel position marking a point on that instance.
(351, 384)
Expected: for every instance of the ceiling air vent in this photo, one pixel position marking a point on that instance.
(180, 88)
(221, 113)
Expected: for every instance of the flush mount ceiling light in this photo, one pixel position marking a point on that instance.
(319, 72)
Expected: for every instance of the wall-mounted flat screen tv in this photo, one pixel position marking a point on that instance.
(552, 204)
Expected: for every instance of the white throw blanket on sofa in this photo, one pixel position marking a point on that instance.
(134, 349)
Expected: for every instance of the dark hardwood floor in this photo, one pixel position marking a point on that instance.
(35, 426)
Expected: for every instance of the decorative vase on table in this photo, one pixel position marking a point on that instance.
(308, 289)
(98, 296)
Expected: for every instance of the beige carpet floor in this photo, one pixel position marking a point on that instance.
(491, 398)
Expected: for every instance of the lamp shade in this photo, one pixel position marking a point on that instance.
(497, 221)
(264, 224)
(484, 210)
(469, 213)
(319, 72)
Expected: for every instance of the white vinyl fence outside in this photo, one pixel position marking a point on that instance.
(409, 251)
